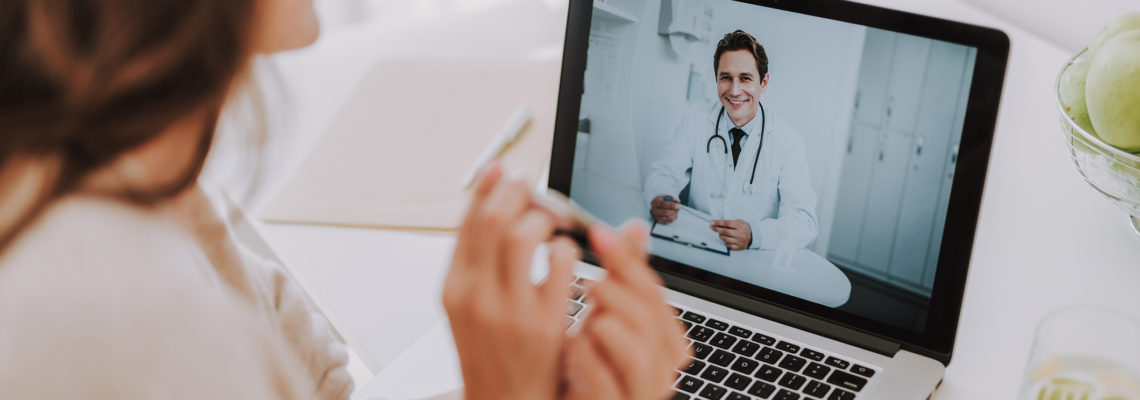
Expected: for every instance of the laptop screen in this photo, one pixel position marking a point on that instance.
(806, 156)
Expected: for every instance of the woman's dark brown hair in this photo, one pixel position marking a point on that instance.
(84, 81)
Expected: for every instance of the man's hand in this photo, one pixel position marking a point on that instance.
(735, 233)
(664, 209)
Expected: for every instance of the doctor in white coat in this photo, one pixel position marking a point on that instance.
(744, 166)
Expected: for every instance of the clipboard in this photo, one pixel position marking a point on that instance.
(691, 229)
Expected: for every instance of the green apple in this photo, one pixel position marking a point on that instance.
(1122, 23)
(1112, 91)
(1073, 93)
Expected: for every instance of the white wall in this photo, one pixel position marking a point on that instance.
(1068, 24)
(813, 65)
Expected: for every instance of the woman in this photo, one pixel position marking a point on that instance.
(118, 279)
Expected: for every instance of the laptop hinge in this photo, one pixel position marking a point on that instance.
(782, 315)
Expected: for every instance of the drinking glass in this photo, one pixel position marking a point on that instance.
(1084, 353)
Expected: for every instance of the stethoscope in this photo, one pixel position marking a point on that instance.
(751, 186)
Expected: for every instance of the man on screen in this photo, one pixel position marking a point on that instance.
(742, 165)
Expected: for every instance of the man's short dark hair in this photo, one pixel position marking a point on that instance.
(741, 40)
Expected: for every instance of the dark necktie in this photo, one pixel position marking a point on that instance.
(737, 134)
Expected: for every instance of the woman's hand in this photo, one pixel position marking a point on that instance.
(508, 331)
(630, 343)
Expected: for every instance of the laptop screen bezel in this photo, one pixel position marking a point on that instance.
(937, 339)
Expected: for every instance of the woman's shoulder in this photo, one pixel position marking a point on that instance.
(87, 234)
(97, 256)
(110, 290)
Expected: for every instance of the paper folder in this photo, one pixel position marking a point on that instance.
(396, 155)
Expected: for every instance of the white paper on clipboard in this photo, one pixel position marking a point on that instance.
(692, 228)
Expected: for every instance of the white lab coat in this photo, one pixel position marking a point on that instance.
(781, 206)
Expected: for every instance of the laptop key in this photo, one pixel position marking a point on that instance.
(713, 392)
(792, 381)
(737, 396)
(677, 311)
(680, 396)
(761, 389)
(837, 363)
(817, 370)
(701, 350)
(689, 384)
(769, 355)
(746, 348)
(694, 367)
(701, 333)
(714, 374)
(738, 381)
(816, 389)
(788, 347)
(694, 317)
(847, 381)
(576, 292)
(687, 325)
(769, 373)
(721, 358)
(841, 395)
(738, 331)
(784, 394)
(861, 370)
(745, 365)
(572, 308)
(723, 340)
(812, 355)
(715, 324)
(763, 339)
(792, 363)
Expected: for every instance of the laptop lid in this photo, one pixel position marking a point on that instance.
(836, 150)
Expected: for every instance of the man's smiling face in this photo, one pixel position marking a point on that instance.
(739, 84)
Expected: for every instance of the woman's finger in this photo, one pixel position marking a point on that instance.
(641, 375)
(621, 303)
(650, 319)
(519, 245)
(564, 254)
(638, 232)
(586, 374)
(487, 181)
(624, 256)
(472, 249)
(495, 216)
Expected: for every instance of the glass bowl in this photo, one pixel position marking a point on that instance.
(1113, 172)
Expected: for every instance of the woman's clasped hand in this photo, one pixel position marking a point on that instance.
(511, 334)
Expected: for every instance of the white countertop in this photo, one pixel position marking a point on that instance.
(1045, 238)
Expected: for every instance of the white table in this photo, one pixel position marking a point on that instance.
(1045, 239)
(809, 276)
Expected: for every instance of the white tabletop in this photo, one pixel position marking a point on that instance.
(1045, 239)
(808, 275)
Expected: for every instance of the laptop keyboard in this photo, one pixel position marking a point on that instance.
(733, 362)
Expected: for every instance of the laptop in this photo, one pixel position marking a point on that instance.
(858, 177)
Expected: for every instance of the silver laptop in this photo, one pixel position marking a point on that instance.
(812, 171)
(838, 149)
